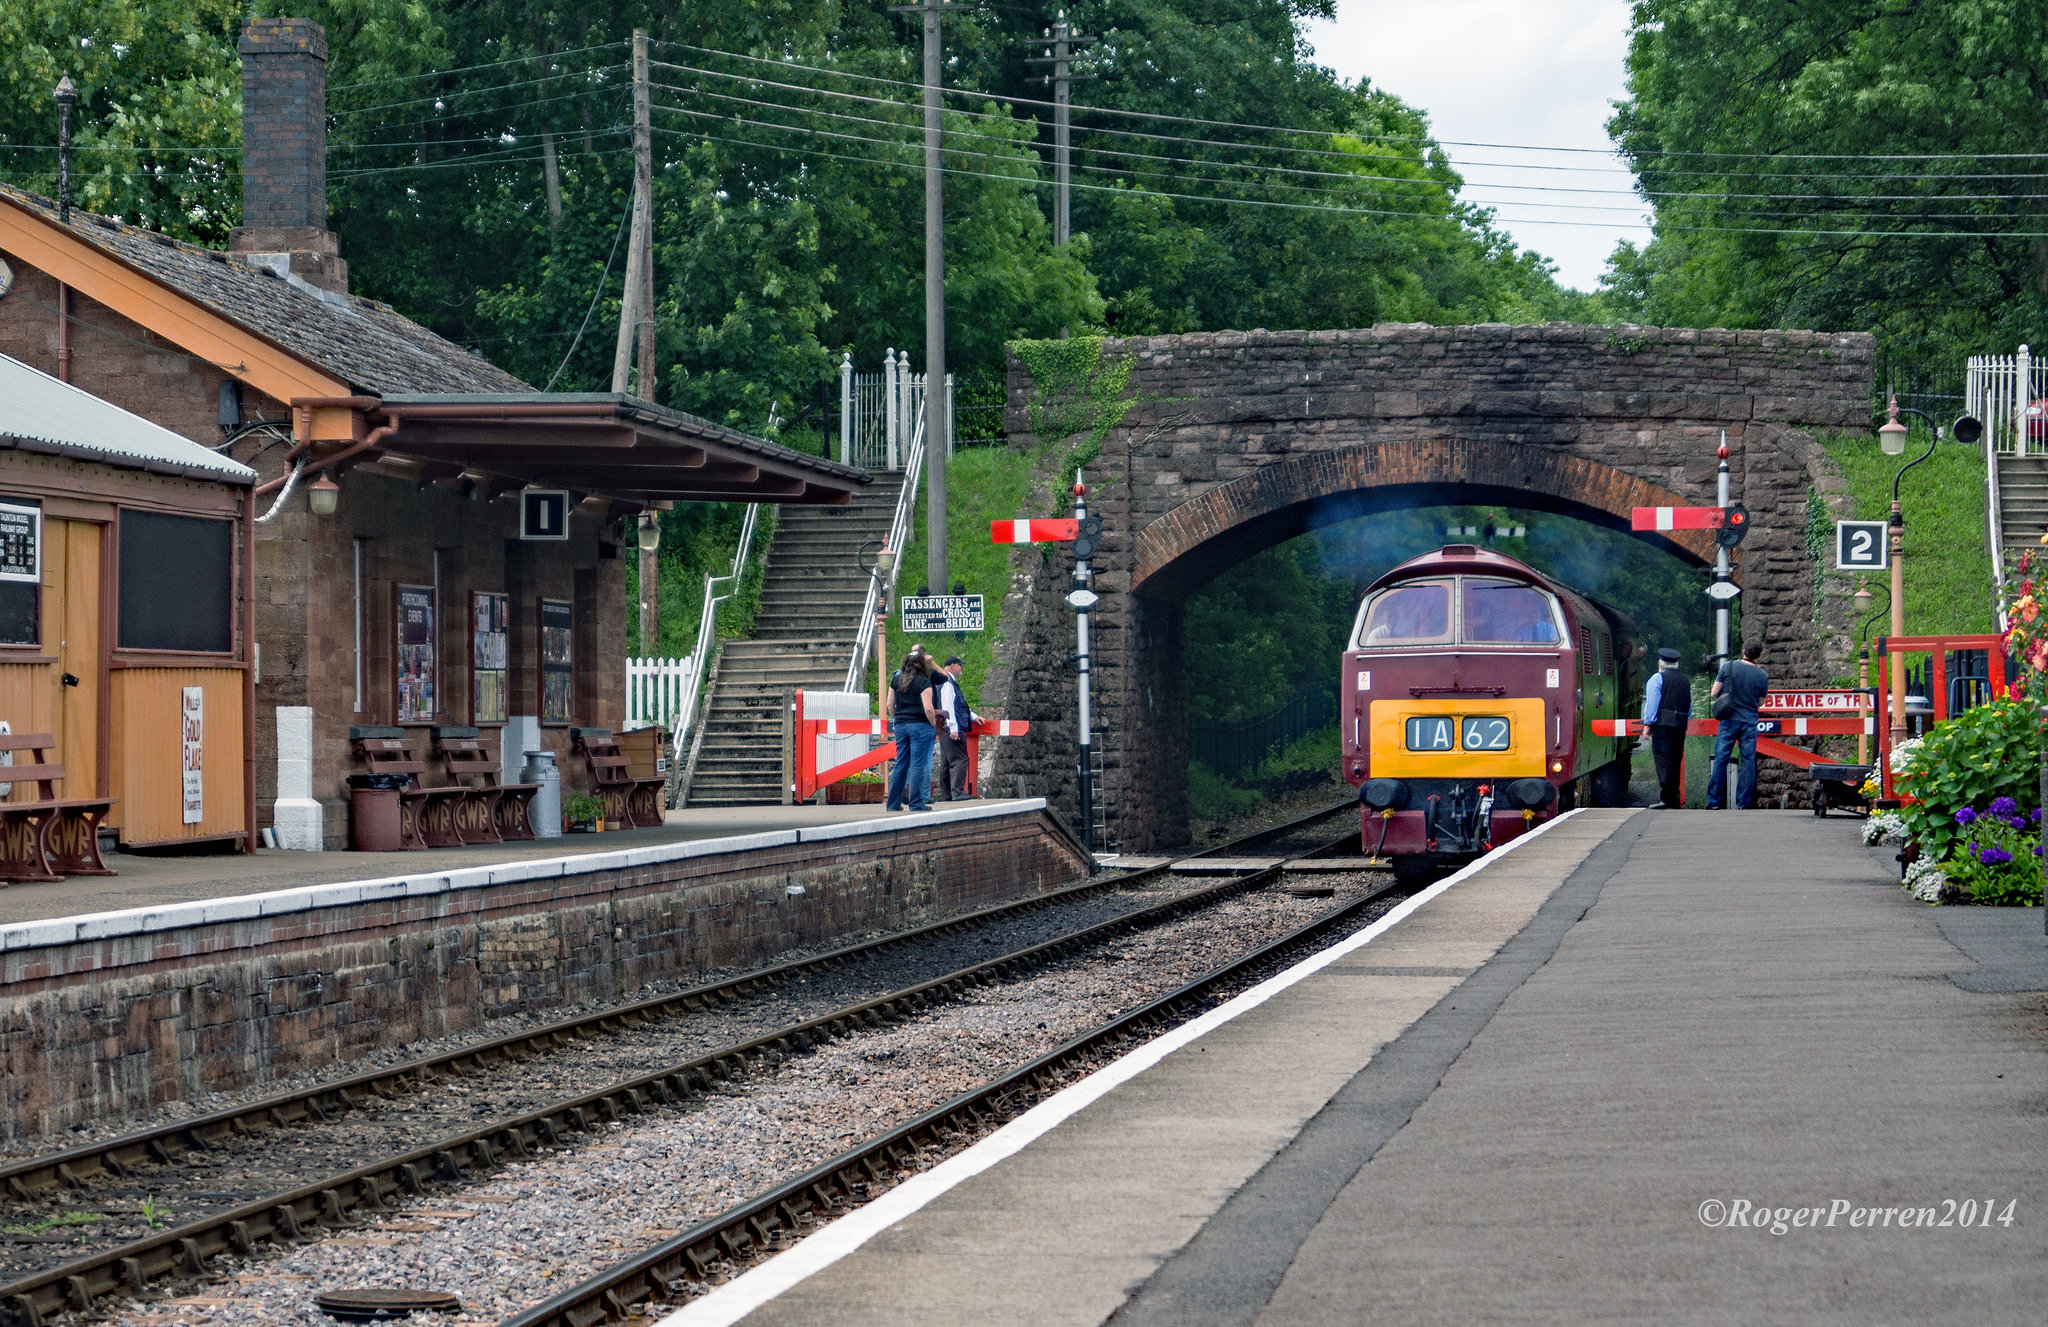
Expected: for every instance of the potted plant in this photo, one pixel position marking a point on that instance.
(856, 790)
(580, 814)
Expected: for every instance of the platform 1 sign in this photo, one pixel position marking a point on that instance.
(1861, 546)
(942, 612)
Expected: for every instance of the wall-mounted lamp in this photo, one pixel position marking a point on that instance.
(322, 495)
(650, 532)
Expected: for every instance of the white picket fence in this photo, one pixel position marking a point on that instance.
(656, 690)
(1998, 390)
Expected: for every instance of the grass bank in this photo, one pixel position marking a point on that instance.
(983, 484)
(1949, 590)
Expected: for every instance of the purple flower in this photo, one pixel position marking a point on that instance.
(1994, 856)
(1966, 816)
(2015, 822)
(2004, 806)
(2035, 815)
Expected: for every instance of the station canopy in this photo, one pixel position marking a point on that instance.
(599, 445)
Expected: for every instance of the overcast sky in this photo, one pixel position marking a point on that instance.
(1525, 73)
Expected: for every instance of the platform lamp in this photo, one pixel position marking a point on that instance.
(322, 496)
(1862, 599)
(1891, 436)
(649, 539)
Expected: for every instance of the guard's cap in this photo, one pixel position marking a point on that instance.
(952, 659)
(1668, 655)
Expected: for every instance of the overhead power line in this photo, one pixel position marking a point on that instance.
(1034, 182)
(467, 69)
(1361, 176)
(452, 93)
(1380, 138)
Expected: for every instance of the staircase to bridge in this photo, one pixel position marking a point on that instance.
(804, 633)
(2022, 503)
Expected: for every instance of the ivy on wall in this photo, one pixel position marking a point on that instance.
(1076, 398)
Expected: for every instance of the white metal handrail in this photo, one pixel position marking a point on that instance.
(1998, 390)
(707, 632)
(899, 532)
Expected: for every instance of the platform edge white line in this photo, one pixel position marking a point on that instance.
(749, 1291)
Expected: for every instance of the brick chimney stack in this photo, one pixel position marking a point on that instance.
(284, 153)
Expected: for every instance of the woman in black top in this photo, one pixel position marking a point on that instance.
(914, 720)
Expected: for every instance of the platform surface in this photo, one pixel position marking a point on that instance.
(1555, 1093)
(153, 880)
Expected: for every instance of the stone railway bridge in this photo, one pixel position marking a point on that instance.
(1243, 440)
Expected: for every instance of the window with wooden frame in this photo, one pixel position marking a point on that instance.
(557, 662)
(490, 656)
(177, 583)
(21, 573)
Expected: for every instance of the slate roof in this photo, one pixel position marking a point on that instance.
(40, 414)
(370, 345)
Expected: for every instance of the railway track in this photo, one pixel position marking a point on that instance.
(715, 1249)
(336, 1199)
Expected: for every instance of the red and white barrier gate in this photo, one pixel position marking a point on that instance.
(1809, 713)
(822, 727)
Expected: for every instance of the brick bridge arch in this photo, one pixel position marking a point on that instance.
(1242, 440)
(1185, 548)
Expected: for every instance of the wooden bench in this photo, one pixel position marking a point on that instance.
(426, 816)
(634, 801)
(47, 838)
(491, 812)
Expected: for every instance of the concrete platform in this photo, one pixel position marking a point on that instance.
(149, 880)
(1558, 1091)
(233, 971)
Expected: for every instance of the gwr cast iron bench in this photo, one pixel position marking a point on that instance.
(47, 838)
(489, 811)
(632, 800)
(426, 816)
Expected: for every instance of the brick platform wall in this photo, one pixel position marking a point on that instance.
(113, 1026)
(1241, 440)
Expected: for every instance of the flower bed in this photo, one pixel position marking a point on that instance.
(1974, 828)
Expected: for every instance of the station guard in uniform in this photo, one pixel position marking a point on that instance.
(1667, 705)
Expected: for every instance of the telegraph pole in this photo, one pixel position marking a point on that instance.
(1061, 40)
(937, 419)
(636, 310)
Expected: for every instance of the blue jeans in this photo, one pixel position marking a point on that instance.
(910, 777)
(1733, 733)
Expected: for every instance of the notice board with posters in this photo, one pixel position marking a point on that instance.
(557, 661)
(21, 573)
(415, 636)
(490, 652)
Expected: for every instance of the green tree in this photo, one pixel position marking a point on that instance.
(158, 120)
(1841, 165)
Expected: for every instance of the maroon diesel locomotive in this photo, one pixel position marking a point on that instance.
(1470, 692)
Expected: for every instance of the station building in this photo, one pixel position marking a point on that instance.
(395, 582)
(123, 560)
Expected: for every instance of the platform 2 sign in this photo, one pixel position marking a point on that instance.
(942, 612)
(1861, 546)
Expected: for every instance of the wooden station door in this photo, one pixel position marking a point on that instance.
(35, 696)
(73, 618)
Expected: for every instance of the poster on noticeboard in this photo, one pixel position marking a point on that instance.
(416, 688)
(191, 760)
(557, 661)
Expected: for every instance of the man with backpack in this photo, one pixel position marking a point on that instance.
(1738, 689)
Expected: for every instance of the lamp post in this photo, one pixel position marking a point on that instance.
(649, 540)
(1862, 599)
(1891, 436)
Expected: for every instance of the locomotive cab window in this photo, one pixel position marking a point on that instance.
(1508, 613)
(1415, 613)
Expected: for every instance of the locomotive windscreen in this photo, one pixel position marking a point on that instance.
(1418, 613)
(1507, 613)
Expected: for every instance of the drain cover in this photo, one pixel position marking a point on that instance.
(376, 1304)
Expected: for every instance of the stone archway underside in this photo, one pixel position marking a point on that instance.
(1241, 440)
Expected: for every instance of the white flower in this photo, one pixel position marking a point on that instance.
(1885, 827)
(1926, 882)
(1902, 754)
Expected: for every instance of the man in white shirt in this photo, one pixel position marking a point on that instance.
(955, 719)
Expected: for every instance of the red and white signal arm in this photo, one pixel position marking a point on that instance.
(1676, 518)
(1053, 531)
